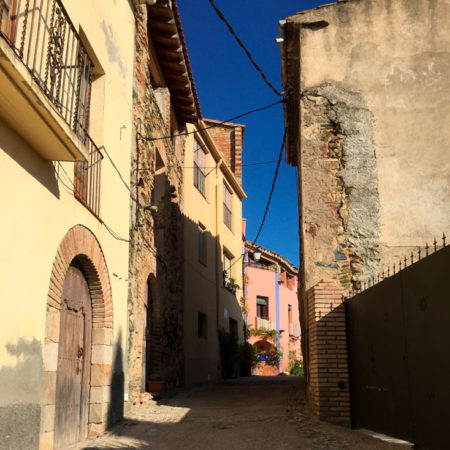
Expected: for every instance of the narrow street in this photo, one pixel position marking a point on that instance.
(247, 413)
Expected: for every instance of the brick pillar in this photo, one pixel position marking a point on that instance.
(328, 383)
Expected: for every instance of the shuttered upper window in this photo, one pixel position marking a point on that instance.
(199, 167)
(227, 215)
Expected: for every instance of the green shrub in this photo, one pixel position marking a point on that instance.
(296, 367)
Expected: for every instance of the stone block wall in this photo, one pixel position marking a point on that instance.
(156, 247)
(328, 379)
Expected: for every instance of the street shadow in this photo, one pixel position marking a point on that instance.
(223, 410)
(26, 157)
(117, 391)
(188, 296)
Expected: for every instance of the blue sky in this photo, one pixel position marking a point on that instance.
(228, 85)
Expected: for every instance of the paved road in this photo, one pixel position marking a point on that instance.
(248, 413)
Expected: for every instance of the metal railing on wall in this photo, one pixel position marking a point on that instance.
(42, 35)
(406, 261)
(87, 179)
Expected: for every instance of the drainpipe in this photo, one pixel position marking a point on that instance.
(277, 312)
(244, 291)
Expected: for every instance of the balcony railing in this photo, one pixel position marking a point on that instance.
(294, 329)
(264, 323)
(87, 179)
(43, 37)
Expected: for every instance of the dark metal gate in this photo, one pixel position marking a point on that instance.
(74, 357)
(399, 354)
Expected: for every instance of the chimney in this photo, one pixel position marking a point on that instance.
(229, 139)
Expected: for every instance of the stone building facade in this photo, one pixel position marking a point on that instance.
(161, 110)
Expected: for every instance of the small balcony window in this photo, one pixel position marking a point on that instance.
(262, 308)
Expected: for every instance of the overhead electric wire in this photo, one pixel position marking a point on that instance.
(242, 45)
(270, 194)
(260, 163)
(273, 186)
(218, 124)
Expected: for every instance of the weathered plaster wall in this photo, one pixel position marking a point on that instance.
(340, 185)
(373, 88)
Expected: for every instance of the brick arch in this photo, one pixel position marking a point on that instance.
(81, 244)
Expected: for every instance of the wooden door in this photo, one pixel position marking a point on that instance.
(74, 358)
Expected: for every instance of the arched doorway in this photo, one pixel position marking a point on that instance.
(74, 359)
(77, 363)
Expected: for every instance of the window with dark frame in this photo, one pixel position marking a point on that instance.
(262, 307)
(227, 261)
(202, 325)
(199, 167)
(227, 215)
(201, 244)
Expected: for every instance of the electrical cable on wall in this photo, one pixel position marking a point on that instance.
(247, 52)
(260, 163)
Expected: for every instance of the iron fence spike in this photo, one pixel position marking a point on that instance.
(394, 268)
(435, 244)
(419, 253)
(389, 272)
(426, 249)
(443, 238)
(400, 265)
(412, 258)
(406, 262)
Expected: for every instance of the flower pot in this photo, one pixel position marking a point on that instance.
(156, 387)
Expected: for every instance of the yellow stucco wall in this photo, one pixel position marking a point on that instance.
(204, 291)
(37, 206)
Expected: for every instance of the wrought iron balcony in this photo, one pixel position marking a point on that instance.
(43, 37)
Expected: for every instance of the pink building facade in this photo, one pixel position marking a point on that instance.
(272, 304)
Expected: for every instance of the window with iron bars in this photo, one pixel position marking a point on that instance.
(227, 215)
(199, 167)
(87, 179)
